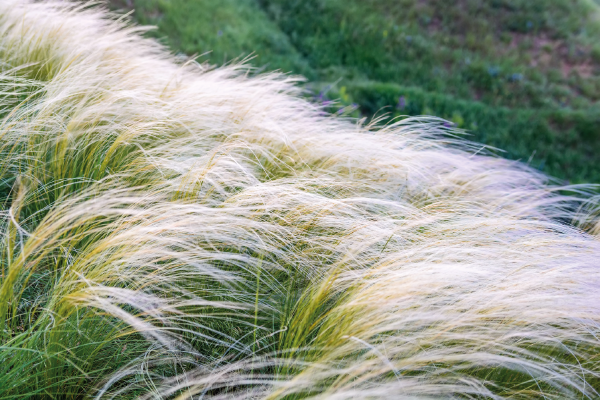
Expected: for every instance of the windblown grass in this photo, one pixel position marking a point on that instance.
(175, 231)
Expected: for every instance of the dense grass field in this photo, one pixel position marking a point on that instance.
(171, 230)
(520, 75)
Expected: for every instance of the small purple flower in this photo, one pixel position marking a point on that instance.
(220, 33)
(401, 103)
(448, 124)
(494, 71)
(515, 77)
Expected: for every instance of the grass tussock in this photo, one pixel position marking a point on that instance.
(174, 231)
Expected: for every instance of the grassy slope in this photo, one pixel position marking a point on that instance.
(521, 75)
(219, 31)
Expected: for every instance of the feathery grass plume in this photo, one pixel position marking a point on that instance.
(176, 231)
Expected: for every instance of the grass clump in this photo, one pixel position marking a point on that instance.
(176, 231)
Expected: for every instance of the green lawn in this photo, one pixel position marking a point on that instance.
(520, 75)
(219, 31)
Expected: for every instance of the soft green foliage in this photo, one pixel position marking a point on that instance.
(514, 131)
(501, 52)
(220, 31)
(536, 61)
(170, 231)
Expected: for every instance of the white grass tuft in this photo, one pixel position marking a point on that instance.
(175, 231)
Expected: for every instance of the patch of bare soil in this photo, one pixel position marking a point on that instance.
(546, 52)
